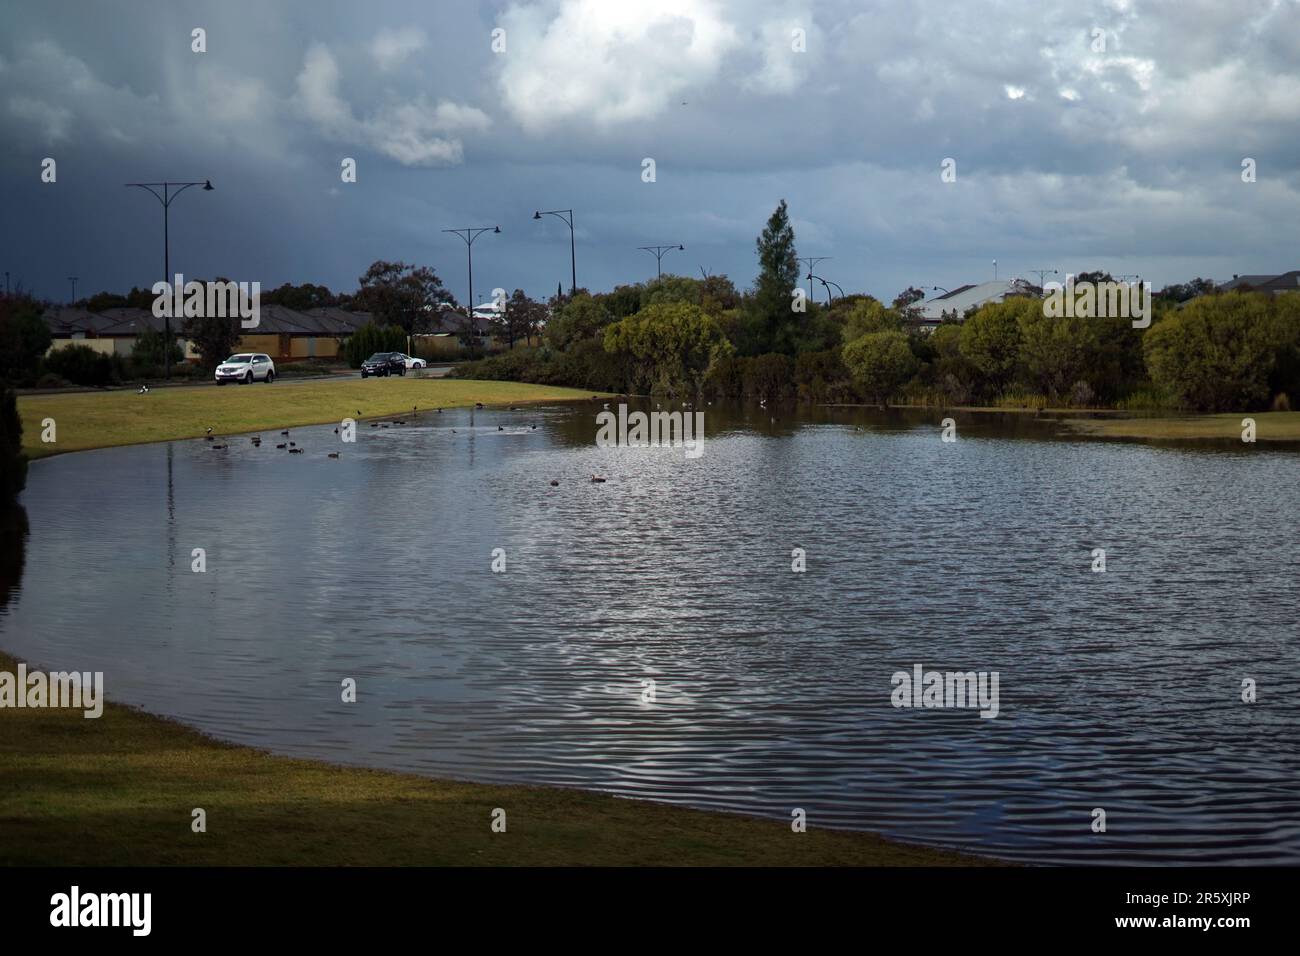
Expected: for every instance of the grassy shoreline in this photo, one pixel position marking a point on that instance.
(119, 790)
(86, 420)
(1269, 427)
(1114, 423)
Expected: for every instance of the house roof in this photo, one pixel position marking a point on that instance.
(450, 321)
(1285, 282)
(966, 297)
(272, 320)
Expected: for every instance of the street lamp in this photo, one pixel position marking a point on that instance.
(469, 235)
(73, 280)
(573, 255)
(1042, 274)
(939, 288)
(812, 263)
(659, 253)
(166, 199)
(830, 300)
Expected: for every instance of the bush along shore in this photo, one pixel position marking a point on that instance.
(1193, 350)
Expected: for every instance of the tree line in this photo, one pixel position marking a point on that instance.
(679, 336)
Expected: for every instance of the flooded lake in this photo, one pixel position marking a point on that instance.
(772, 688)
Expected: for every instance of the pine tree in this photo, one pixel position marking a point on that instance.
(773, 290)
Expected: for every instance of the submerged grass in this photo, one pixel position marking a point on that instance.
(101, 419)
(120, 790)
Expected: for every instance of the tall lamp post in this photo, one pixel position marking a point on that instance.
(1042, 274)
(659, 252)
(469, 235)
(566, 215)
(812, 264)
(166, 198)
(73, 280)
(830, 300)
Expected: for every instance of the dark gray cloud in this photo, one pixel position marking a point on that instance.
(1068, 154)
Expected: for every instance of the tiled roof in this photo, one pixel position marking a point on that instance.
(272, 320)
(1285, 282)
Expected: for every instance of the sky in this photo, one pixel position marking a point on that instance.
(1083, 134)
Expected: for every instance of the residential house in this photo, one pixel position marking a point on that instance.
(287, 335)
(1286, 282)
(953, 305)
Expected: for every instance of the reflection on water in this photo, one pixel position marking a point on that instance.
(1118, 690)
(13, 549)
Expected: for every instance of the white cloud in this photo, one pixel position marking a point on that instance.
(54, 121)
(604, 63)
(415, 133)
(783, 69)
(392, 46)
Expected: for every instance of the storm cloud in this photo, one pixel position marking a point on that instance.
(1086, 134)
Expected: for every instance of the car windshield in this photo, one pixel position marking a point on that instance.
(378, 357)
(238, 360)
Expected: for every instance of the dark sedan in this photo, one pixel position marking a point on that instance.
(384, 363)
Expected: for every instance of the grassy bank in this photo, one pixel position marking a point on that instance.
(120, 790)
(101, 419)
(1269, 427)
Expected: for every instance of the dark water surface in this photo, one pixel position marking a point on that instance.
(1119, 690)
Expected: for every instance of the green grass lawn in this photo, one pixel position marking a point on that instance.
(120, 790)
(100, 419)
(1269, 426)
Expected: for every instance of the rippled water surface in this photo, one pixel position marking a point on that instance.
(1119, 690)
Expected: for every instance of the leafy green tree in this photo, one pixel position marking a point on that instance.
(907, 303)
(300, 297)
(880, 363)
(80, 365)
(13, 462)
(778, 273)
(137, 298)
(718, 294)
(1284, 380)
(522, 319)
(149, 351)
(868, 315)
(990, 341)
(1217, 352)
(670, 348)
(396, 293)
(24, 337)
(1182, 291)
(371, 338)
(577, 321)
(1057, 352)
(671, 288)
(768, 376)
(625, 300)
(214, 337)
(950, 372)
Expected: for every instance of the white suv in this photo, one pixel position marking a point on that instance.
(246, 367)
